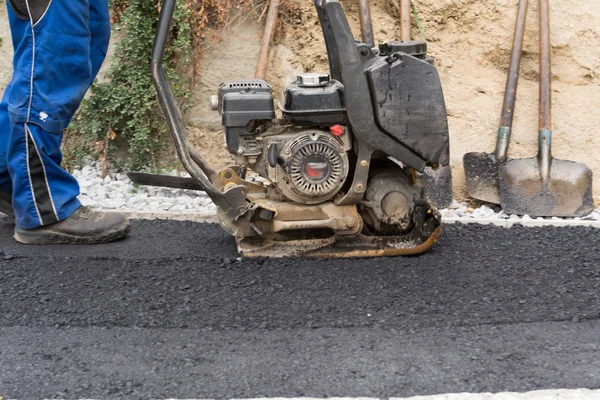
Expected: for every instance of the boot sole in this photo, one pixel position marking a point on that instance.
(41, 237)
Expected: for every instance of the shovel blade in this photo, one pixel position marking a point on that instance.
(438, 186)
(567, 192)
(481, 174)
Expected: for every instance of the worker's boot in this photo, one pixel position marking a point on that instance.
(84, 226)
(6, 204)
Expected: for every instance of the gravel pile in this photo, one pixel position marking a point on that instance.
(117, 192)
(464, 211)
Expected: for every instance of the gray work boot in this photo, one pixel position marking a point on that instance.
(84, 226)
(6, 204)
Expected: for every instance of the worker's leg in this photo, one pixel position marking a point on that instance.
(51, 75)
(5, 182)
(53, 71)
(100, 34)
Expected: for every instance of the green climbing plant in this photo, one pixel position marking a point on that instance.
(122, 112)
(123, 109)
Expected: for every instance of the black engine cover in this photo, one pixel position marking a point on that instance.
(241, 103)
(409, 104)
(315, 106)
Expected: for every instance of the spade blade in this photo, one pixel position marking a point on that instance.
(481, 173)
(567, 192)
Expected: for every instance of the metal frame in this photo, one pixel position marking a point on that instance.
(231, 202)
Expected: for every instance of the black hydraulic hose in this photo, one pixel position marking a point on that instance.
(167, 102)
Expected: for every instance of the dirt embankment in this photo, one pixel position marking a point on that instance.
(471, 41)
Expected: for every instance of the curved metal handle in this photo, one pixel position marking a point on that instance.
(233, 202)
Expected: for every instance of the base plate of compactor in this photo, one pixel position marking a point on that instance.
(357, 246)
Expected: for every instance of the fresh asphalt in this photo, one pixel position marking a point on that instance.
(172, 312)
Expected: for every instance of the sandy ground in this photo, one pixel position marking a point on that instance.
(470, 41)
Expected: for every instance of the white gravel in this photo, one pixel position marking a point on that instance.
(463, 211)
(117, 192)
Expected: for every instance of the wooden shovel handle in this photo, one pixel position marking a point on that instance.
(263, 55)
(510, 93)
(405, 26)
(545, 68)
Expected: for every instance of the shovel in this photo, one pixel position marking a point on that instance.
(481, 169)
(544, 186)
(366, 26)
(437, 182)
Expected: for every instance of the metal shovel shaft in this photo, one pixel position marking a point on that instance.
(366, 27)
(545, 116)
(512, 82)
(545, 68)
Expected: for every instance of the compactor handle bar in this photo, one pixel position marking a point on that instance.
(231, 202)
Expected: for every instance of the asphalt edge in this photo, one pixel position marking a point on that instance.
(506, 223)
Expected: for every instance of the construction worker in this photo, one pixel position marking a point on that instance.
(59, 46)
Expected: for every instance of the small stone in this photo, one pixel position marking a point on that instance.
(107, 179)
(97, 192)
(109, 204)
(184, 200)
(85, 183)
(483, 212)
(87, 170)
(140, 197)
(153, 205)
(84, 199)
(177, 208)
(449, 214)
(165, 206)
(462, 210)
(117, 184)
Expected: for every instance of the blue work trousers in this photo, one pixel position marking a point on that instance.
(59, 47)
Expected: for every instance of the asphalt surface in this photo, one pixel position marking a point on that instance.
(172, 312)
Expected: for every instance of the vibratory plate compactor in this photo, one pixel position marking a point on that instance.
(338, 168)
